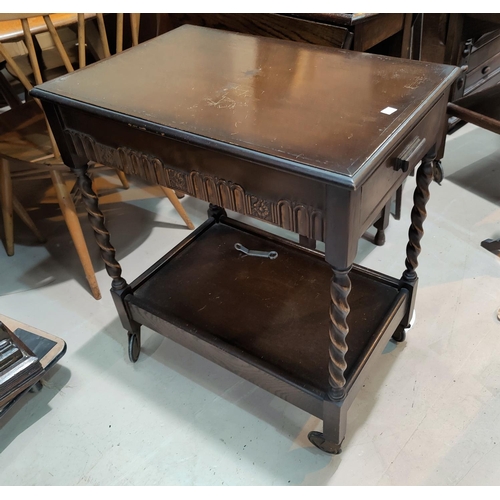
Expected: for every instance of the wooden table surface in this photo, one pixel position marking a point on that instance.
(262, 94)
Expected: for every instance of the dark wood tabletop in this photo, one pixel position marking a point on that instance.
(307, 104)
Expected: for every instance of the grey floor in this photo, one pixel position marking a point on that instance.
(428, 415)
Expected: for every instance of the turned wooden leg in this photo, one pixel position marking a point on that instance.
(70, 216)
(381, 225)
(96, 219)
(334, 417)
(119, 287)
(418, 216)
(340, 287)
(24, 216)
(421, 196)
(169, 193)
(7, 206)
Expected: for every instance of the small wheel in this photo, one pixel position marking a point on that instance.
(399, 335)
(36, 387)
(438, 172)
(318, 440)
(134, 346)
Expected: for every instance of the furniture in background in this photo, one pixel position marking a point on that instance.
(471, 41)
(361, 32)
(26, 354)
(482, 109)
(246, 126)
(27, 146)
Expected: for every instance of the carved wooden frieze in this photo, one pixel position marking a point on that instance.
(289, 215)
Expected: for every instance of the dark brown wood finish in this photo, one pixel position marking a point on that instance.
(361, 32)
(269, 129)
(471, 41)
(481, 109)
(269, 25)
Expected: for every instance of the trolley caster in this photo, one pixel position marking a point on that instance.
(36, 387)
(399, 335)
(318, 440)
(134, 346)
(438, 172)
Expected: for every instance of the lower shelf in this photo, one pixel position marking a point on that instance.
(273, 313)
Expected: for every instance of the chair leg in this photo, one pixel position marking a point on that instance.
(123, 178)
(70, 216)
(23, 215)
(169, 193)
(7, 208)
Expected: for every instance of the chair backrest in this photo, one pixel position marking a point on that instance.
(36, 23)
(34, 56)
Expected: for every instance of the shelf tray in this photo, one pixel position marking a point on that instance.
(274, 311)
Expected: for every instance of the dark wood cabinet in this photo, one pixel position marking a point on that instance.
(387, 34)
(471, 41)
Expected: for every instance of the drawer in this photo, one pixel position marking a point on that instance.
(385, 179)
(483, 84)
(484, 52)
(483, 72)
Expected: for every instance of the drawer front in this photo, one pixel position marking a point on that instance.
(380, 187)
(484, 84)
(286, 200)
(482, 73)
(480, 55)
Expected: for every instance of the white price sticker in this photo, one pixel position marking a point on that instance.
(388, 110)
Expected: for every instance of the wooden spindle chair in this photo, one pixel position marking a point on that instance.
(27, 145)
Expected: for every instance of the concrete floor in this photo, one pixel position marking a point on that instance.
(428, 415)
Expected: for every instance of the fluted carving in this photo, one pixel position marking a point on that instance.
(288, 214)
(418, 216)
(96, 219)
(340, 288)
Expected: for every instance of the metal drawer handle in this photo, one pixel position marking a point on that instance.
(410, 155)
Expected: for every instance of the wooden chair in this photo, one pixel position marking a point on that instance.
(27, 145)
